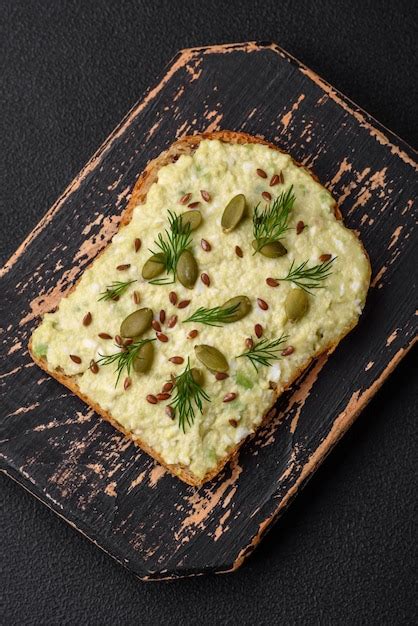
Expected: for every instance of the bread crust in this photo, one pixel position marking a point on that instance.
(185, 145)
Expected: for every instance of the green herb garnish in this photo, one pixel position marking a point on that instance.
(265, 352)
(216, 316)
(271, 224)
(188, 394)
(176, 240)
(124, 358)
(115, 290)
(308, 278)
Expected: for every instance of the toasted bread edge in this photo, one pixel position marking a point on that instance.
(185, 145)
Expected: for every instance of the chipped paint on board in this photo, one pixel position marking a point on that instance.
(287, 117)
(202, 506)
(395, 236)
(214, 124)
(344, 167)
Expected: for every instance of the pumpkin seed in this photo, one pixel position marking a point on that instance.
(211, 358)
(296, 304)
(154, 266)
(233, 213)
(194, 218)
(187, 269)
(136, 323)
(197, 375)
(243, 308)
(144, 358)
(271, 249)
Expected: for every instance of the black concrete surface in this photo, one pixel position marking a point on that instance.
(345, 551)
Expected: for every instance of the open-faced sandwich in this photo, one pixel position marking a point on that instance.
(230, 272)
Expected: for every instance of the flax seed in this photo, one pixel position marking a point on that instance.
(87, 319)
(172, 321)
(205, 279)
(205, 245)
(169, 411)
(288, 350)
(94, 368)
(299, 227)
(156, 325)
(272, 282)
(162, 396)
(184, 199)
(177, 360)
(249, 343)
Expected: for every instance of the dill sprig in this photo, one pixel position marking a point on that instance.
(175, 240)
(124, 358)
(308, 278)
(216, 316)
(271, 224)
(265, 352)
(115, 290)
(188, 394)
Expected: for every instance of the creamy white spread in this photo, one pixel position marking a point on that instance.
(224, 170)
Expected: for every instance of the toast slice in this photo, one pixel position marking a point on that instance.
(194, 429)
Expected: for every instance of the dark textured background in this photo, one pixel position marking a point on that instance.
(344, 552)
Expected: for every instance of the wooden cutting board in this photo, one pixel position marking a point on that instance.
(77, 464)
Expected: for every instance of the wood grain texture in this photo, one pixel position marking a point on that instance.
(88, 473)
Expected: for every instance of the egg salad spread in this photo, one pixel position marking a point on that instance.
(231, 275)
